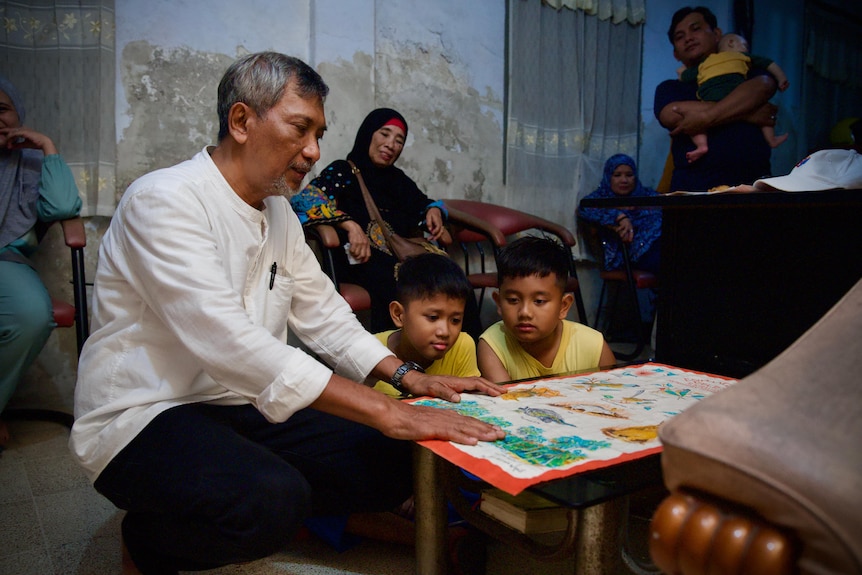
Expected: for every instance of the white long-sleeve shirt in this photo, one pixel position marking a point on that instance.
(186, 309)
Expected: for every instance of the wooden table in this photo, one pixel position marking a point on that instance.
(596, 500)
(743, 275)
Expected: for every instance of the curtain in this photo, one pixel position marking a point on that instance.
(833, 69)
(60, 56)
(616, 10)
(573, 101)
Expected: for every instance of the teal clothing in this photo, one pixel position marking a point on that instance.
(57, 200)
(26, 319)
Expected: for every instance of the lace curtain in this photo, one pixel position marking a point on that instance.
(573, 101)
(616, 10)
(60, 56)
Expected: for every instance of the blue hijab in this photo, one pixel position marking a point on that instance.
(646, 222)
(611, 165)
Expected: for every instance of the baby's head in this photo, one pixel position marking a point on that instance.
(732, 43)
(430, 296)
(532, 273)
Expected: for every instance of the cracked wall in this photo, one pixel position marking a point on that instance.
(171, 101)
(441, 64)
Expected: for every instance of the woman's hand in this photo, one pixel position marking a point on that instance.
(434, 223)
(360, 246)
(625, 229)
(23, 137)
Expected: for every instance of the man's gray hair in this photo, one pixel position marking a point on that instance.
(259, 80)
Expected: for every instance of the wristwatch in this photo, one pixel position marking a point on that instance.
(401, 372)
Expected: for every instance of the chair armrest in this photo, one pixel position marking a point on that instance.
(325, 234)
(562, 232)
(74, 233)
(469, 222)
(691, 534)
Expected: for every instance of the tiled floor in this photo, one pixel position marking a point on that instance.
(52, 522)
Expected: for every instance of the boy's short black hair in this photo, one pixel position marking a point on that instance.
(680, 14)
(534, 256)
(429, 275)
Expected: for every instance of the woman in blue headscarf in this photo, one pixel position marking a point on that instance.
(35, 185)
(639, 228)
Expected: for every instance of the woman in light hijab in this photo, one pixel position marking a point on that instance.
(35, 185)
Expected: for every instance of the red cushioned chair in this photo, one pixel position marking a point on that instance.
(65, 314)
(326, 239)
(494, 224)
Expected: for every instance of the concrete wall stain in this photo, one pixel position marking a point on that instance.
(172, 105)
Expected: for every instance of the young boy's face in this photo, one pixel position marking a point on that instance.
(532, 307)
(430, 325)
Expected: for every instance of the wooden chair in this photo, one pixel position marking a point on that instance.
(629, 278)
(65, 314)
(326, 239)
(475, 223)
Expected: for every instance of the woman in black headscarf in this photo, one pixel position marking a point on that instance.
(335, 198)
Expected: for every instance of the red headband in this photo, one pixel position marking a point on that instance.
(396, 122)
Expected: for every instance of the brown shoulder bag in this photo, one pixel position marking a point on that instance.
(401, 247)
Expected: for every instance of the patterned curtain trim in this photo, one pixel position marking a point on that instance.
(617, 10)
(570, 143)
(26, 26)
(68, 48)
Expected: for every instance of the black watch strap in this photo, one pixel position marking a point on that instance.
(401, 372)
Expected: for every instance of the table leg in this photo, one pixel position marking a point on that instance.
(598, 545)
(430, 513)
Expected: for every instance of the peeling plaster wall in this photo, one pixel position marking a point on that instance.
(440, 63)
(170, 93)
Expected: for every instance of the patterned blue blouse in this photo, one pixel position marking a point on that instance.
(646, 221)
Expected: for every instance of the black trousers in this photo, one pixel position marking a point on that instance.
(206, 485)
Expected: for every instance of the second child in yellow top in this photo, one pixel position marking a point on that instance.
(534, 339)
(431, 294)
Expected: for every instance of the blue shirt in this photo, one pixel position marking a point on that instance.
(738, 153)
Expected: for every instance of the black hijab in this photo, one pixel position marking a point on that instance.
(375, 178)
(398, 198)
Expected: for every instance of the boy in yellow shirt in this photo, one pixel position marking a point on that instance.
(430, 296)
(534, 338)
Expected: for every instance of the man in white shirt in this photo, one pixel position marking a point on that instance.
(192, 412)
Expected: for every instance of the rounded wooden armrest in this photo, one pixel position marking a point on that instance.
(74, 233)
(692, 535)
